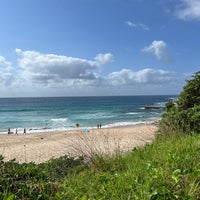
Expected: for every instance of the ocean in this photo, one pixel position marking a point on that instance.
(63, 113)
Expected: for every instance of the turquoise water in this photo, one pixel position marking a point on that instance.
(62, 113)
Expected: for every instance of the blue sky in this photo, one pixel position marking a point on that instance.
(93, 47)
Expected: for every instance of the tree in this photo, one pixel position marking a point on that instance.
(190, 96)
(169, 106)
(185, 116)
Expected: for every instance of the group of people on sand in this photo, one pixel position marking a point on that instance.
(99, 125)
(16, 131)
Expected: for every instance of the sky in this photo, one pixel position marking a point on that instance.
(97, 47)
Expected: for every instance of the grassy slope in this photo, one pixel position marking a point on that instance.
(167, 169)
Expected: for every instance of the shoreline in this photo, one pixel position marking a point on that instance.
(73, 128)
(41, 147)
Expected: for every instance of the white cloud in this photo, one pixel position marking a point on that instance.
(5, 65)
(131, 24)
(134, 25)
(50, 67)
(6, 76)
(143, 77)
(188, 10)
(104, 58)
(157, 48)
(143, 26)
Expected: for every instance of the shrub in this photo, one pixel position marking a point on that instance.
(190, 96)
(185, 116)
(42, 181)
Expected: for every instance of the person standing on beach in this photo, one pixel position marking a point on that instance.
(16, 132)
(24, 131)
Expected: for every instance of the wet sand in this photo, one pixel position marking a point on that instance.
(41, 147)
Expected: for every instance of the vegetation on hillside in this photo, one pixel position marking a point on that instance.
(169, 168)
(184, 115)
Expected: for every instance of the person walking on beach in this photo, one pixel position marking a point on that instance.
(16, 132)
(24, 131)
(9, 132)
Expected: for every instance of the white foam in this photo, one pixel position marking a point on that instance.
(132, 113)
(60, 120)
(121, 124)
(90, 116)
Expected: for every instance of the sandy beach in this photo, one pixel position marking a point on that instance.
(41, 147)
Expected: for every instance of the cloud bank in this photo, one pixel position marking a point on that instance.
(55, 68)
(51, 67)
(37, 71)
(142, 77)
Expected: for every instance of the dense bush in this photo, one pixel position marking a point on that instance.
(186, 121)
(184, 116)
(190, 96)
(32, 181)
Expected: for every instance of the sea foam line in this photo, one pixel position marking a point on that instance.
(70, 128)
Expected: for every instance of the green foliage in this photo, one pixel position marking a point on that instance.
(31, 181)
(169, 106)
(186, 121)
(185, 116)
(190, 96)
(59, 168)
(166, 169)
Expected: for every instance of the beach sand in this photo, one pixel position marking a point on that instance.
(41, 147)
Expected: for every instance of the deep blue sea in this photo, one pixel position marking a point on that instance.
(62, 113)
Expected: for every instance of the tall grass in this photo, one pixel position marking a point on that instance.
(165, 169)
(96, 148)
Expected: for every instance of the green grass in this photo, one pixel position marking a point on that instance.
(166, 169)
(169, 168)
